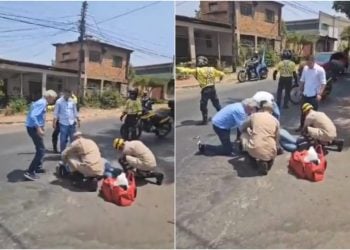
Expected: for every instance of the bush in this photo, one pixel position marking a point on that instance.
(17, 105)
(92, 101)
(111, 99)
(271, 58)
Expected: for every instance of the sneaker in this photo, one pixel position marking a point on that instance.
(280, 151)
(31, 176)
(263, 167)
(40, 171)
(201, 147)
(160, 178)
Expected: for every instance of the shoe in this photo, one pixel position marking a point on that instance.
(31, 176)
(201, 148)
(40, 171)
(280, 151)
(159, 177)
(204, 122)
(263, 167)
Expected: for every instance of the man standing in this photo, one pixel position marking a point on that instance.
(67, 114)
(231, 116)
(56, 130)
(206, 77)
(312, 84)
(286, 67)
(35, 127)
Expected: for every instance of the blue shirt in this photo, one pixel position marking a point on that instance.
(37, 113)
(231, 116)
(66, 111)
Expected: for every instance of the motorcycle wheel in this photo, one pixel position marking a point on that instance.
(296, 95)
(263, 74)
(242, 76)
(163, 130)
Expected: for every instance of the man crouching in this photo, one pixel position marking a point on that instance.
(82, 158)
(260, 138)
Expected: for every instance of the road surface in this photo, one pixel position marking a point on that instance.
(52, 214)
(222, 203)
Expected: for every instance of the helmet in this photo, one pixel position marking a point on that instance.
(118, 143)
(256, 53)
(133, 93)
(306, 107)
(202, 61)
(286, 55)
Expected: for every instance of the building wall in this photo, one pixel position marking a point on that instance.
(215, 11)
(96, 70)
(202, 47)
(256, 24)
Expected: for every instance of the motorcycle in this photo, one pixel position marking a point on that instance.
(158, 122)
(248, 73)
(296, 94)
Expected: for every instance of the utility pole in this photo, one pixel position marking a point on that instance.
(81, 90)
(234, 38)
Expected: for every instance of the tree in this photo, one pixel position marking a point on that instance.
(147, 83)
(342, 6)
(300, 40)
(345, 35)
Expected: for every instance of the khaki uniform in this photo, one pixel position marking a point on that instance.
(84, 156)
(260, 139)
(139, 156)
(320, 127)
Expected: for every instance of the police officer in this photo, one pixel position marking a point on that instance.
(286, 67)
(132, 111)
(206, 77)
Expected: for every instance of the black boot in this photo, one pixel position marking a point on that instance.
(205, 119)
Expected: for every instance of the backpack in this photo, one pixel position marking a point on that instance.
(308, 170)
(117, 194)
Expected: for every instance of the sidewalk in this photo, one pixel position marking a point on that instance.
(85, 114)
(228, 79)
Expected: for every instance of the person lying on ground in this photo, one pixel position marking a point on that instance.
(261, 135)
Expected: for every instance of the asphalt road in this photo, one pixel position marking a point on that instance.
(222, 203)
(53, 214)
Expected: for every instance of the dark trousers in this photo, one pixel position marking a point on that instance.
(209, 93)
(313, 101)
(39, 150)
(55, 134)
(284, 83)
(238, 135)
(224, 136)
(130, 125)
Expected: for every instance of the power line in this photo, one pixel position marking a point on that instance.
(128, 12)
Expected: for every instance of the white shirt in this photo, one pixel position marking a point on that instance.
(313, 79)
(263, 96)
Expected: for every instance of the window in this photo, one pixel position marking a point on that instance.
(117, 61)
(65, 55)
(94, 56)
(208, 41)
(213, 6)
(269, 16)
(324, 26)
(246, 10)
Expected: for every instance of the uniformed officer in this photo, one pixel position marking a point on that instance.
(286, 67)
(206, 77)
(132, 111)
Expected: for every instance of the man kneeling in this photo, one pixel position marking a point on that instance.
(83, 156)
(139, 157)
(261, 137)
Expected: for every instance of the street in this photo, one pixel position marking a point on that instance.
(50, 213)
(222, 203)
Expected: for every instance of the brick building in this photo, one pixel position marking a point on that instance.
(257, 22)
(105, 66)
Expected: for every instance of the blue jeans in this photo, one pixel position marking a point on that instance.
(39, 150)
(112, 171)
(224, 136)
(65, 133)
(287, 141)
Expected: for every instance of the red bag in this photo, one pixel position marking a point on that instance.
(117, 194)
(310, 170)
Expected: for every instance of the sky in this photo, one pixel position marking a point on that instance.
(148, 31)
(289, 13)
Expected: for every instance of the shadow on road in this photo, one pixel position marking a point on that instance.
(243, 166)
(16, 175)
(52, 158)
(67, 184)
(192, 123)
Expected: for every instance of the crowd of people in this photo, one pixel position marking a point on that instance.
(81, 157)
(256, 119)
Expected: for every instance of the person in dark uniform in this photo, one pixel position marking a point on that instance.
(287, 69)
(206, 77)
